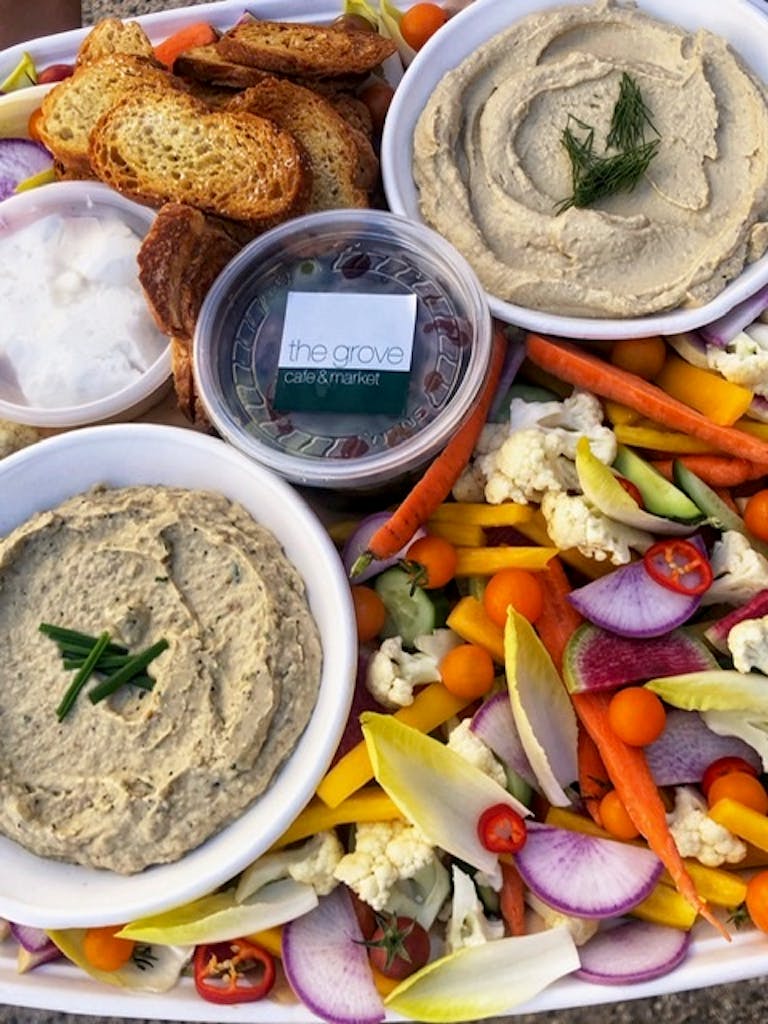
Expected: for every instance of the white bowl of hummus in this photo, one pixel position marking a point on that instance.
(78, 344)
(602, 166)
(147, 537)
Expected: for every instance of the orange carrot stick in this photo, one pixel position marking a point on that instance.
(199, 33)
(512, 898)
(594, 782)
(584, 370)
(716, 470)
(435, 486)
(626, 766)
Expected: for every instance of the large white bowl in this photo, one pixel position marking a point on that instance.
(738, 21)
(49, 893)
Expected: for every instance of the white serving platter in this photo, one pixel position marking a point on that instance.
(60, 987)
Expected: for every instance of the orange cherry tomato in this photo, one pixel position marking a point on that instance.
(757, 900)
(467, 671)
(104, 950)
(517, 587)
(431, 562)
(724, 766)
(636, 715)
(370, 612)
(420, 22)
(614, 817)
(756, 514)
(641, 356)
(741, 787)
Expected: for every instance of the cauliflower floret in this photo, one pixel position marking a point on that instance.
(744, 360)
(573, 523)
(748, 644)
(468, 925)
(527, 466)
(739, 571)
(476, 751)
(311, 863)
(392, 673)
(697, 835)
(579, 415)
(384, 853)
(15, 436)
(581, 928)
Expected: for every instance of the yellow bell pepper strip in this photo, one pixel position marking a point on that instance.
(617, 413)
(742, 821)
(468, 618)
(368, 804)
(467, 535)
(753, 427)
(656, 438)
(270, 939)
(664, 905)
(508, 513)
(487, 561)
(431, 707)
(720, 400)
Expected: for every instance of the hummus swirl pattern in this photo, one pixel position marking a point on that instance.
(143, 777)
(491, 168)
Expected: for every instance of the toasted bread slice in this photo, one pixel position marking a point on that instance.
(208, 64)
(330, 143)
(184, 385)
(174, 148)
(71, 109)
(112, 35)
(354, 112)
(292, 48)
(180, 257)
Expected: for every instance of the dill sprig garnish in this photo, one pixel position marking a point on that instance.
(595, 176)
(630, 117)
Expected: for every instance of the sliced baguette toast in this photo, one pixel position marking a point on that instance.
(208, 64)
(112, 35)
(331, 145)
(293, 48)
(174, 148)
(71, 109)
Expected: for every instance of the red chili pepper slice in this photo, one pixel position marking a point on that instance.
(678, 565)
(237, 971)
(501, 829)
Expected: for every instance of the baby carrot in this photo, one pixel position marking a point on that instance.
(584, 370)
(716, 470)
(199, 33)
(435, 486)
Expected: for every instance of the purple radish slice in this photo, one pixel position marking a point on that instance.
(631, 952)
(628, 602)
(27, 961)
(687, 747)
(32, 939)
(717, 632)
(494, 724)
(596, 659)
(357, 544)
(326, 963)
(20, 159)
(722, 331)
(585, 875)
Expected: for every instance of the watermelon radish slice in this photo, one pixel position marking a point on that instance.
(631, 952)
(687, 747)
(596, 659)
(585, 875)
(628, 602)
(755, 608)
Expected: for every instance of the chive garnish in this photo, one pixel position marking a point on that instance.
(133, 667)
(82, 676)
(595, 176)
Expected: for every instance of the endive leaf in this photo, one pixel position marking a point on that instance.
(219, 917)
(603, 490)
(542, 709)
(435, 788)
(151, 969)
(512, 971)
(717, 690)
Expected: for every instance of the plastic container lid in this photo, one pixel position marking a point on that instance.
(302, 348)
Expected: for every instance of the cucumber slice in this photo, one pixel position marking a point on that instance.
(659, 495)
(712, 505)
(411, 611)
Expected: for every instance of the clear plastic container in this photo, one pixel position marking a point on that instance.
(337, 437)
